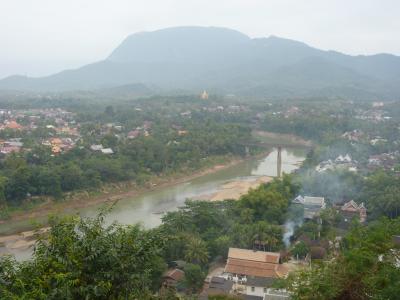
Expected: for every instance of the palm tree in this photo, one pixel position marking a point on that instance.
(247, 215)
(196, 251)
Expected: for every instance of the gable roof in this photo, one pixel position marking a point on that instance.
(219, 285)
(259, 281)
(260, 256)
(320, 201)
(252, 268)
(107, 151)
(254, 263)
(175, 274)
(352, 206)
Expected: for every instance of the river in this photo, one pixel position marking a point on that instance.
(148, 208)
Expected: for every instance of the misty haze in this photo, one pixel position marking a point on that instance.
(200, 150)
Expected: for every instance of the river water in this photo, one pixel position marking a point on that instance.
(148, 208)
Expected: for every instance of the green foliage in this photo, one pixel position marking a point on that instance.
(300, 250)
(194, 278)
(203, 231)
(38, 172)
(365, 269)
(268, 202)
(196, 251)
(382, 194)
(82, 259)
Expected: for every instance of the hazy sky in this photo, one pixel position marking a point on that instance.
(40, 37)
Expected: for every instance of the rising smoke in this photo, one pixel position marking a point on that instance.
(294, 220)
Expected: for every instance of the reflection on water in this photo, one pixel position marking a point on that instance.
(148, 208)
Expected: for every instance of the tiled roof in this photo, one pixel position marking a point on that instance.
(252, 268)
(174, 274)
(260, 256)
(314, 200)
(254, 263)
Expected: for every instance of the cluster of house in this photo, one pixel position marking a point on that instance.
(61, 121)
(11, 124)
(248, 274)
(143, 130)
(10, 145)
(314, 205)
(375, 115)
(357, 135)
(230, 109)
(388, 161)
(343, 162)
(59, 145)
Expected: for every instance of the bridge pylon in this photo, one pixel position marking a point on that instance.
(279, 163)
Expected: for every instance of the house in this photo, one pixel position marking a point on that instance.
(351, 209)
(147, 125)
(354, 136)
(172, 277)
(217, 286)
(377, 140)
(56, 141)
(243, 264)
(9, 149)
(13, 125)
(258, 286)
(276, 294)
(133, 134)
(187, 113)
(182, 132)
(312, 205)
(55, 149)
(343, 159)
(13, 143)
(107, 151)
(253, 272)
(96, 147)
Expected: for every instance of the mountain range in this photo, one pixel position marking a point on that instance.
(226, 61)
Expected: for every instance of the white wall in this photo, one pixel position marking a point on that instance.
(258, 291)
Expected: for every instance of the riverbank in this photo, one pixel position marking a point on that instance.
(233, 190)
(38, 215)
(220, 178)
(19, 240)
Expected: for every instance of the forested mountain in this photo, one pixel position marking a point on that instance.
(227, 61)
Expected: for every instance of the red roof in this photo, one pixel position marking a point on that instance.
(175, 274)
(260, 256)
(254, 263)
(14, 125)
